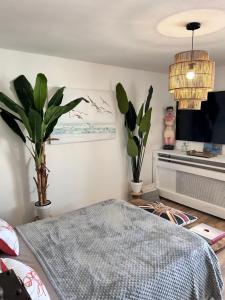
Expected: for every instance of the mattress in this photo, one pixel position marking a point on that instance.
(114, 250)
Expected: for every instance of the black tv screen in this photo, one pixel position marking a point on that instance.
(206, 125)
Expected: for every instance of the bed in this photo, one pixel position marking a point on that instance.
(114, 250)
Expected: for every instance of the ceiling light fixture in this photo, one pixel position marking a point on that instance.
(191, 77)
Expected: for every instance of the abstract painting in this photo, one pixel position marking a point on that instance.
(88, 121)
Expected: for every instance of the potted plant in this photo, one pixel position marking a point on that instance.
(138, 128)
(38, 118)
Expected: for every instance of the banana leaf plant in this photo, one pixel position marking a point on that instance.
(137, 127)
(33, 120)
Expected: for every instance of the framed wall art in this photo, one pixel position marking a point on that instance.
(88, 121)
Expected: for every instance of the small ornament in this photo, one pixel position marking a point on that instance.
(169, 132)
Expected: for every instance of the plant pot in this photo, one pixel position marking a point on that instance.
(136, 186)
(44, 211)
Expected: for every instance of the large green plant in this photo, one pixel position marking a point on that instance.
(138, 128)
(38, 118)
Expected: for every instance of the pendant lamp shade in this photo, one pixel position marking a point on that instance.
(191, 77)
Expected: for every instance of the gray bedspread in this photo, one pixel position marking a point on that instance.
(113, 250)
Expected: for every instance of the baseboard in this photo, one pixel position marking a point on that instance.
(149, 188)
(200, 205)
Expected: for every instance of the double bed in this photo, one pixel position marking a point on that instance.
(114, 250)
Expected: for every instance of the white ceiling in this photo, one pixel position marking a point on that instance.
(116, 32)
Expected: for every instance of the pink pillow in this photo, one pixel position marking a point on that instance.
(9, 243)
(29, 277)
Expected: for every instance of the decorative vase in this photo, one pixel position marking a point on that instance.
(43, 211)
(136, 186)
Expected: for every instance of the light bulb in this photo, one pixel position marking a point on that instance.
(190, 74)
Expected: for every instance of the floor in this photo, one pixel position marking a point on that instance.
(204, 218)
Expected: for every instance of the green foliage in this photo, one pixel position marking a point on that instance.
(145, 139)
(138, 127)
(10, 120)
(24, 92)
(131, 117)
(35, 121)
(54, 112)
(145, 121)
(25, 119)
(56, 98)
(137, 141)
(122, 99)
(140, 114)
(147, 104)
(34, 116)
(49, 129)
(40, 91)
(9, 103)
(132, 148)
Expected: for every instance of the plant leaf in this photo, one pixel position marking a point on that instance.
(146, 137)
(10, 120)
(122, 99)
(12, 115)
(17, 109)
(38, 156)
(56, 98)
(140, 114)
(24, 92)
(140, 134)
(51, 113)
(25, 120)
(40, 91)
(132, 148)
(54, 112)
(136, 139)
(131, 117)
(35, 121)
(50, 129)
(9, 103)
(145, 122)
(134, 167)
(150, 92)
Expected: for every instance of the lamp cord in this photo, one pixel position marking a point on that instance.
(192, 45)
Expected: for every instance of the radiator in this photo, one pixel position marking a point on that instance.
(194, 182)
(206, 189)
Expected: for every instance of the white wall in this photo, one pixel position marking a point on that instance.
(220, 81)
(81, 173)
(219, 86)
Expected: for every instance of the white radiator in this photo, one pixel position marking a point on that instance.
(192, 181)
(206, 189)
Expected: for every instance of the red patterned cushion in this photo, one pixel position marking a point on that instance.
(29, 277)
(9, 243)
(3, 267)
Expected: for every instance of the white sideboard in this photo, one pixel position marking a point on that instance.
(192, 181)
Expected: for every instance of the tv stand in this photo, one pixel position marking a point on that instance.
(192, 181)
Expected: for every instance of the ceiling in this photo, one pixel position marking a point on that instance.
(117, 32)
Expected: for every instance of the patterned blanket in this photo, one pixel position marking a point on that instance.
(113, 251)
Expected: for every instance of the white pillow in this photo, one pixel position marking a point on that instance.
(29, 277)
(9, 243)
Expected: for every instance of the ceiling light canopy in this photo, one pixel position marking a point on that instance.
(191, 77)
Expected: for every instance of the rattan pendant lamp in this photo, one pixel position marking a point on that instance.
(191, 77)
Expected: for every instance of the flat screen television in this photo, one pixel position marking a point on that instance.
(206, 125)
